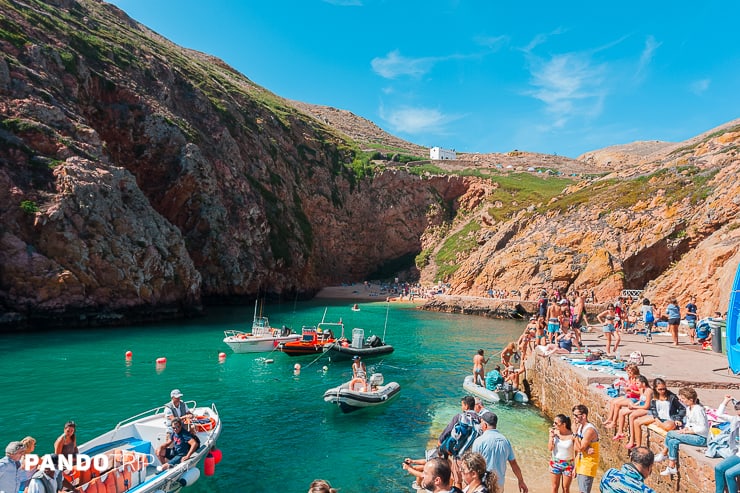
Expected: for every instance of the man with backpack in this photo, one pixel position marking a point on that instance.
(462, 430)
(497, 451)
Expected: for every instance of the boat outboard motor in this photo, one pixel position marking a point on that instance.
(374, 341)
(376, 380)
(285, 331)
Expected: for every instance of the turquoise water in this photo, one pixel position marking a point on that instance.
(278, 433)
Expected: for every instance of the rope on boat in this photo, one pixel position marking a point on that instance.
(319, 356)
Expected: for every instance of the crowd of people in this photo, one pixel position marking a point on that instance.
(573, 440)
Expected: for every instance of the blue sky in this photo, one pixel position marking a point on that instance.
(482, 75)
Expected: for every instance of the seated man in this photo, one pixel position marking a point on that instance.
(494, 379)
(180, 446)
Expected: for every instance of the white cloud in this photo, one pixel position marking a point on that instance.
(699, 87)
(395, 64)
(570, 85)
(647, 55)
(415, 120)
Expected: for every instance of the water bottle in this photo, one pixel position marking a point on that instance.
(616, 356)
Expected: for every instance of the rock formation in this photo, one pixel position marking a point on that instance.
(139, 180)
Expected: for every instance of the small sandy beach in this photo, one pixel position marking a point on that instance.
(363, 292)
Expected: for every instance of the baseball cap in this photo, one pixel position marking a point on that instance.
(176, 393)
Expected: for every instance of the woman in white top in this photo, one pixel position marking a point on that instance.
(694, 431)
(665, 411)
(562, 463)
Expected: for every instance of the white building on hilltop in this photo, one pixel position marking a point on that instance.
(439, 153)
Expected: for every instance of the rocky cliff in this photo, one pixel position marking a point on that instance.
(139, 180)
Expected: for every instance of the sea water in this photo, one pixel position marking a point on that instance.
(278, 433)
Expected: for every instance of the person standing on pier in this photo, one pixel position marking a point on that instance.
(586, 448)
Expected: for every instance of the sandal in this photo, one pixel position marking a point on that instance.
(629, 446)
(618, 436)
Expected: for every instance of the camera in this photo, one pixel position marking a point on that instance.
(407, 461)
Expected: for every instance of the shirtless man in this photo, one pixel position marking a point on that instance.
(479, 370)
(554, 312)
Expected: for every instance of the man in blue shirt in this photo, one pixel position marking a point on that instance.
(631, 477)
(182, 444)
(11, 473)
(691, 317)
(497, 451)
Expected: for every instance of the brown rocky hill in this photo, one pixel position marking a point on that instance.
(139, 180)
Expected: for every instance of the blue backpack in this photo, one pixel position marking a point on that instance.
(649, 317)
(465, 431)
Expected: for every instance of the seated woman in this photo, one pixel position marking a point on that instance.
(727, 471)
(665, 411)
(693, 433)
(631, 395)
(66, 444)
(565, 340)
(494, 378)
(635, 409)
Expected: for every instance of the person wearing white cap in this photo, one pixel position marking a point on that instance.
(11, 472)
(176, 408)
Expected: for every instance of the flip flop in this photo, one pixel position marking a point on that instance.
(629, 446)
(618, 436)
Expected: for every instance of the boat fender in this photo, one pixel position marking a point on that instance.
(209, 465)
(190, 477)
(217, 455)
(362, 387)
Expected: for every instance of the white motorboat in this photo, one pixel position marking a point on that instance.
(131, 447)
(358, 394)
(500, 394)
(262, 338)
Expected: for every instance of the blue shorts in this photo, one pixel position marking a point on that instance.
(674, 321)
(692, 323)
(553, 325)
(608, 328)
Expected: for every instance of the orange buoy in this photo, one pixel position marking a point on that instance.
(161, 361)
(209, 465)
(217, 455)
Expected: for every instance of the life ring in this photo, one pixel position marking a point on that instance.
(361, 381)
(201, 423)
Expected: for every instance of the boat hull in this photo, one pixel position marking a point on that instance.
(132, 447)
(337, 352)
(257, 344)
(493, 395)
(349, 400)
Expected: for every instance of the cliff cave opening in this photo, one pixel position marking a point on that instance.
(403, 267)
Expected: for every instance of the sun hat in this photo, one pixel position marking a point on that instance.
(176, 393)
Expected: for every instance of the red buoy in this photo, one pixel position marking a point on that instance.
(129, 355)
(209, 465)
(217, 455)
(221, 356)
(161, 361)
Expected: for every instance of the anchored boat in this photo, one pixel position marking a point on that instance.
(313, 340)
(262, 338)
(358, 393)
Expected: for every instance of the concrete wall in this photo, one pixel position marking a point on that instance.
(556, 387)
